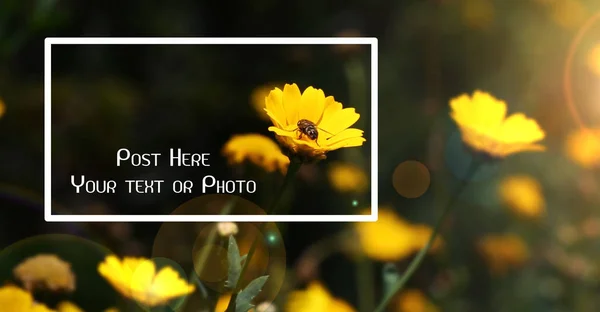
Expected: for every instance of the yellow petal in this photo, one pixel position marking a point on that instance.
(274, 107)
(338, 121)
(143, 275)
(331, 108)
(312, 104)
(282, 132)
(291, 103)
(343, 135)
(518, 128)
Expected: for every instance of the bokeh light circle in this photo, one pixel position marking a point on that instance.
(84, 256)
(188, 243)
(411, 179)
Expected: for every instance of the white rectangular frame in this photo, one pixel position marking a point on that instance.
(48, 42)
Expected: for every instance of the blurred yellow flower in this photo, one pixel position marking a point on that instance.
(583, 147)
(478, 13)
(66, 306)
(15, 299)
(45, 271)
(503, 252)
(568, 14)
(258, 149)
(137, 279)
(593, 59)
(391, 238)
(258, 98)
(324, 124)
(111, 310)
(485, 128)
(347, 177)
(414, 300)
(315, 298)
(523, 194)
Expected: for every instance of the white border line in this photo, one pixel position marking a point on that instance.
(49, 217)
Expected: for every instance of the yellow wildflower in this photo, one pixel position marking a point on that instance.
(258, 98)
(136, 278)
(583, 147)
(15, 299)
(45, 271)
(331, 122)
(315, 298)
(485, 128)
(503, 252)
(66, 306)
(478, 13)
(258, 149)
(391, 238)
(347, 177)
(414, 300)
(523, 194)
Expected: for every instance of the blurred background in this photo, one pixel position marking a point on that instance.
(523, 236)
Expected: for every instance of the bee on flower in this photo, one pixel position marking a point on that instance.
(309, 124)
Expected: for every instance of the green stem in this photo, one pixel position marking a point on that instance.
(418, 259)
(291, 173)
(212, 235)
(364, 277)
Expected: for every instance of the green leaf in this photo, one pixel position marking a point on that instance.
(234, 263)
(243, 307)
(243, 302)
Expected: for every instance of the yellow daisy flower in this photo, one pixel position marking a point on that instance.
(315, 298)
(485, 128)
(66, 306)
(137, 279)
(15, 299)
(45, 271)
(309, 124)
(414, 300)
(523, 194)
(347, 177)
(258, 149)
(583, 147)
(391, 238)
(503, 252)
